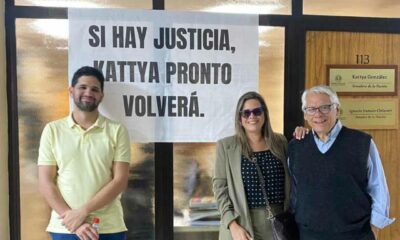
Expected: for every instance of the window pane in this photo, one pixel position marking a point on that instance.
(194, 162)
(271, 78)
(240, 6)
(360, 8)
(42, 64)
(193, 166)
(142, 4)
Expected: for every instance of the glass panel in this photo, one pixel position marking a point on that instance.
(142, 4)
(271, 83)
(194, 162)
(193, 170)
(360, 8)
(42, 64)
(230, 6)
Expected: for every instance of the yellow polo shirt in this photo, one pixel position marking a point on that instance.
(84, 160)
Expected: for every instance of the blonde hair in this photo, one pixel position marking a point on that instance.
(271, 138)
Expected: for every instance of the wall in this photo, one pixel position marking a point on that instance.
(4, 218)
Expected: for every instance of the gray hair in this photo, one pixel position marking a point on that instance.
(321, 89)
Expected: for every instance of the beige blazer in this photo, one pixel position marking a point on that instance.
(228, 186)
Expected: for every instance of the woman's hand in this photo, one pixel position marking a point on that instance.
(299, 132)
(238, 232)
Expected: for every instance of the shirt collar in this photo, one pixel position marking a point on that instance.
(99, 122)
(71, 122)
(334, 131)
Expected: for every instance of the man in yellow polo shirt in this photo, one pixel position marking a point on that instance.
(84, 165)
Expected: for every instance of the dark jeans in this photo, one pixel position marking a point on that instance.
(104, 236)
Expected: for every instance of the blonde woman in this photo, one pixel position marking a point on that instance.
(236, 183)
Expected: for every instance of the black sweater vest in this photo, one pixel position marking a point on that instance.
(331, 188)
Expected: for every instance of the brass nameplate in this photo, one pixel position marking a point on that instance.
(378, 80)
(369, 113)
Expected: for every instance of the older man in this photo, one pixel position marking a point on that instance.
(339, 189)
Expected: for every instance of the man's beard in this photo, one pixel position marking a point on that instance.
(86, 107)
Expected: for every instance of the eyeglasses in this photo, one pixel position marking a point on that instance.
(255, 111)
(324, 109)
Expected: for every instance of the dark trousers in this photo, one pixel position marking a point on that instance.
(359, 234)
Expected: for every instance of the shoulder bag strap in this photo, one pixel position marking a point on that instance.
(263, 185)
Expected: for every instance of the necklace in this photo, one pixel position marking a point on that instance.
(253, 159)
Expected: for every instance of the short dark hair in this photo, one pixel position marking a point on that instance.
(88, 71)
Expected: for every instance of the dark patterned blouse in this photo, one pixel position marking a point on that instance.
(274, 176)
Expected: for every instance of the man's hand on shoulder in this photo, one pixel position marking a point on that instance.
(300, 132)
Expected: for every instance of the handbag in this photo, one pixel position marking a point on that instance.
(284, 226)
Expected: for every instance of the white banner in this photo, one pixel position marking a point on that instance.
(170, 76)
